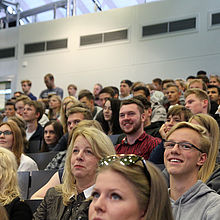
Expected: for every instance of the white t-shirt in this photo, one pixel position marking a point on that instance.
(29, 134)
(27, 164)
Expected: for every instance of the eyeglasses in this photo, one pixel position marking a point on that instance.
(5, 132)
(182, 146)
(125, 160)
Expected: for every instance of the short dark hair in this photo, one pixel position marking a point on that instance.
(144, 101)
(10, 103)
(190, 77)
(158, 80)
(128, 82)
(39, 108)
(145, 89)
(134, 101)
(214, 86)
(50, 76)
(108, 90)
(167, 81)
(85, 93)
(116, 90)
(201, 73)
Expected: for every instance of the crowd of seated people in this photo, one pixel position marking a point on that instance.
(142, 115)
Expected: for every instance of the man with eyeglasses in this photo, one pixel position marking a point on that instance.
(186, 149)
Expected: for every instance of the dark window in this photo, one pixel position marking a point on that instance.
(182, 24)
(56, 44)
(154, 29)
(7, 52)
(116, 35)
(90, 39)
(215, 18)
(35, 47)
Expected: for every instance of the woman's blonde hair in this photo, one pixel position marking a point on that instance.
(63, 117)
(9, 189)
(211, 126)
(101, 146)
(17, 146)
(151, 192)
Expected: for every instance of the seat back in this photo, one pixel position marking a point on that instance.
(33, 204)
(114, 138)
(34, 146)
(42, 159)
(24, 183)
(39, 179)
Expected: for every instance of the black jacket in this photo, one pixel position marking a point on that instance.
(35, 141)
(18, 210)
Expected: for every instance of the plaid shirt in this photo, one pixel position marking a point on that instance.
(141, 147)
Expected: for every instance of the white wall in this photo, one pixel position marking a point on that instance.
(173, 56)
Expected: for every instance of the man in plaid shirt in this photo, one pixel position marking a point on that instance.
(137, 141)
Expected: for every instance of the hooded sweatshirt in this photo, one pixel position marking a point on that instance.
(198, 203)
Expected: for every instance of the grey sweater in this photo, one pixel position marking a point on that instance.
(198, 203)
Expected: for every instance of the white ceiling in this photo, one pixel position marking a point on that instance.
(82, 7)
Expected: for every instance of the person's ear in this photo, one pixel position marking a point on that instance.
(205, 103)
(37, 115)
(202, 159)
(143, 117)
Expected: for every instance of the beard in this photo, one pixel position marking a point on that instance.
(136, 127)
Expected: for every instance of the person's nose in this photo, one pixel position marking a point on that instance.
(170, 123)
(2, 135)
(47, 134)
(80, 155)
(100, 204)
(187, 105)
(175, 149)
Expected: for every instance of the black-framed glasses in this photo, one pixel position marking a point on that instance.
(5, 132)
(186, 146)
(125, 160)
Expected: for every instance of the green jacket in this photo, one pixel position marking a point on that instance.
(52, 208)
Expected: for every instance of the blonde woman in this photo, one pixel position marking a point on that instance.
(128, 188)
(9, 191)
(87, 147)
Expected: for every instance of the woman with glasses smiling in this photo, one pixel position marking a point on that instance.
(11, 139)
(128, 188)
